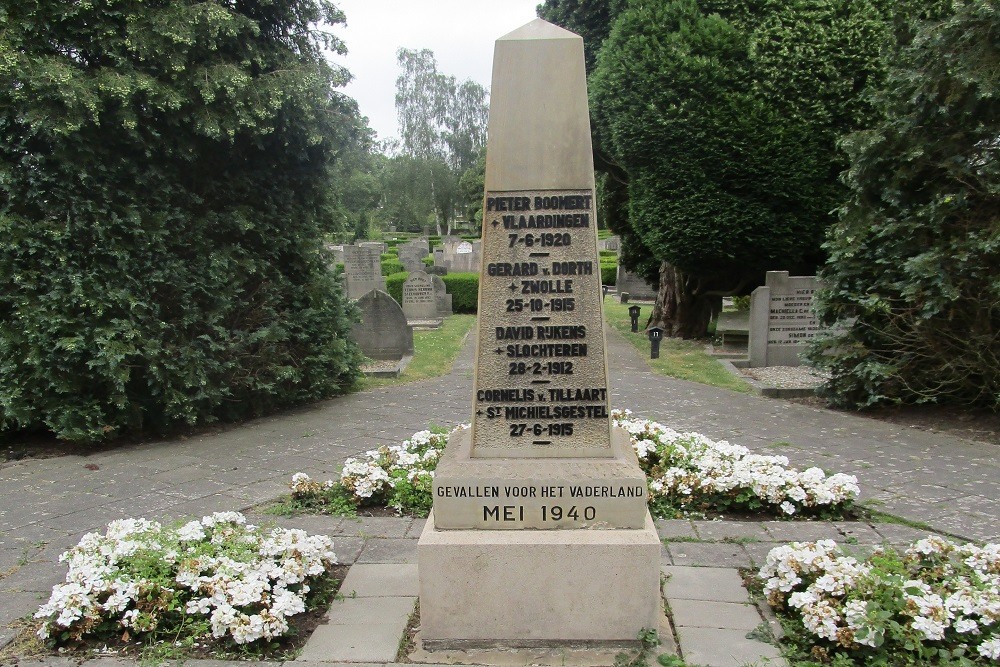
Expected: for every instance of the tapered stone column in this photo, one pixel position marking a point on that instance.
(540, 533)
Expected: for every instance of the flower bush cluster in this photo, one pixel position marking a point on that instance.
(218, 575)
(937, 602)
(399, 476)
(688, 471)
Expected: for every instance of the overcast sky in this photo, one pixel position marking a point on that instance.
(459, 32)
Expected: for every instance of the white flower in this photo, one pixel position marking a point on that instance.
(990, 648)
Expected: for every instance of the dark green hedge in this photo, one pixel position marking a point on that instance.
(464, 290)
(609, 273)
(391, 266)
(394, 285)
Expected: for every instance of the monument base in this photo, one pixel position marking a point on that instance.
(527, 588)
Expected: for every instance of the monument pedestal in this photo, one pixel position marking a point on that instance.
(526, 588)
(538, 552)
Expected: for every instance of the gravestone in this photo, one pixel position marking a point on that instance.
(419, 304)
(782, 320)
(442, 299)
(378, 245)
(459, 256)
(612, 243)
(338, 253)
(634, 285)
(362, 271)
(382, 333)
(540, 533)
(412, 253)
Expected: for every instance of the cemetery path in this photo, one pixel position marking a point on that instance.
(47, 504)
(950, 483)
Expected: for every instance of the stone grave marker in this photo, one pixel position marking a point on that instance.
(540, 533)
(412, 253)
(634, 285)
(419, 303)
(382, 334)
(782, 321)
(362, 271)
(442, 299)
(379, 245)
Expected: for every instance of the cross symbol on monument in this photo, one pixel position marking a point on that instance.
(513, 287)
(499, 351)
(496, 221)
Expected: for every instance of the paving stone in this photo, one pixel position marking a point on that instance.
(673, 528)
(703, 583)
(352, 643)
(376, 526)
(316, 524)
(714, 647)
(348, 549)
(802, 531)
(389, 550)
(710, 614)
(899, 534)
(862, 532)
(758, 552)
(416, 528)
(706, 554)
(381, 580)
(362, 611)
(720, 530)
(36, 577)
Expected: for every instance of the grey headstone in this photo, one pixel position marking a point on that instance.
(412, 253)
(418, 297)
(636, 286)
(362, 270)
(382, 333)
(782, 320)
(442, 299)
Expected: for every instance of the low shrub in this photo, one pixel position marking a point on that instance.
(391, 266)
(609, 273)
(214, 578)
(936, 603)
(394, 285)
(464, 290)
(686, 471)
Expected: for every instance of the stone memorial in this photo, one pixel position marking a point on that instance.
(378, 245)
(412, 253)
(540, 534)
(419, 303)
(459, 256)
(612, 243)
(634, 285)
(442, 299)
(362, 271)
(382, 334)
(782, 320)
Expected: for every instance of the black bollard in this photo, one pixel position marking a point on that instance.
(633, 312)
(605, 288)
(655, 336)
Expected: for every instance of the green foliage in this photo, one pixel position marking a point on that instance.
(464, 289)
(391, 266)
(716, 124)
(912, 281)
(165, 181)
(394, 285)
(609, 273)
(591, 19)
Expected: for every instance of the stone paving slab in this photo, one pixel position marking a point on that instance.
(381, 580)
(715, 647)
(703, 583)
(708, 554)
(708, 614)
(389, 550)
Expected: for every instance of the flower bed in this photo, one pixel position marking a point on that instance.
(937, 603)
(686, 471)
(215, 578)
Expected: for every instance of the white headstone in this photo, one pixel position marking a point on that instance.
(419, 303)
(782, 319)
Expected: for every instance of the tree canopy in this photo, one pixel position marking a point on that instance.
(165, 180)
(913, 286)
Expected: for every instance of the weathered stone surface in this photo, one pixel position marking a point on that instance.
(362, 271)
(526, 587)
(518, 493)
(412, 254)
(442, 299)
(634, 285)
(782, 321)
(382, 333)
(419, 302)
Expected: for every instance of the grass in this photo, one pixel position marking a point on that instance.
(434, 353)
(681, 359)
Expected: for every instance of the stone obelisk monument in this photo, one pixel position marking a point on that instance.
(540, 532)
